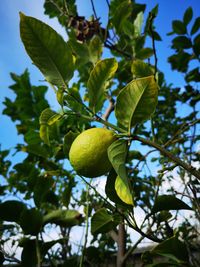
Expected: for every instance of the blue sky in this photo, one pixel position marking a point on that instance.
(15, 59)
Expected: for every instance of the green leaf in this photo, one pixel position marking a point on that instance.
(11, 210)
(117, 154)
(41, 189)
(66, 218)
(48, 50)
(188, 16)
(123, 191)
(179, 27)
(97, 83)
(68, 140)
(47, 118)
(138, 23)
(169, 202)
(193, 75)
(95, 49)
(195, 26)
(31, 221)
(121, 14)
(140, 99)
(37, 150)
(29, 254)
(144, 53)
(141, 69)
(181, 42)
(102, 222)
(172, 248)
(110, 189)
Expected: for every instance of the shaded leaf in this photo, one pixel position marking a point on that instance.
(140, 99)
(193, 75)
(169, 202)
(188, 15)
(97, 82)
(47, 49)
(29, 254)
(172, 248)
(68, 140)
(179, 27)
(31, 221)
(41, 189)
(181, 42)
(11, 210)
(196, 26)
(102, 222)
(144, 53)
(123, 191)
(66, 218)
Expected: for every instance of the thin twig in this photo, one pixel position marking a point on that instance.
(152, 17)
(94, 10)
(166, 153)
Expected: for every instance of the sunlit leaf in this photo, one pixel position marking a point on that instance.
(140, 99)
(47, 49)
(102, 72)
(123, 191)
(117, 154)
(141, 69)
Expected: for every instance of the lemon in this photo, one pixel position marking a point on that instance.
(88, 153)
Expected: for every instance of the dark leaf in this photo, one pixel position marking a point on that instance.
(179, 27)
(11, 210)
(195, 26)
(31, 221)
(169, 202)
(188, 15)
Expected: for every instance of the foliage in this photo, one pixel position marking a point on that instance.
(146, 109)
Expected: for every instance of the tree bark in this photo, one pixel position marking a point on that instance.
(121, 245)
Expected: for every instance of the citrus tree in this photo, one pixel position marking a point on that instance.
(120, 119)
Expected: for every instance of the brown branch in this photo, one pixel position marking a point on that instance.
(109, 109)
(166, 153)
(152, 17)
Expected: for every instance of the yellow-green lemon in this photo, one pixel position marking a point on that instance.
(88, 153)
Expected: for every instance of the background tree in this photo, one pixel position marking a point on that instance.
(130, 84)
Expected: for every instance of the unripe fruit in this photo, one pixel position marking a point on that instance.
(88, 153)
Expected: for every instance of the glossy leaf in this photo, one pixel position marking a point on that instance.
(117, 154)
(172, 248)
(99, 76)
(110, 189)
(102, 222)
(140, 99)
(169, 202)
(141, 69)
(31, 221)
(123, 191)
(11, 210)
(66, 218)
(47, 49)
(188, 15)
